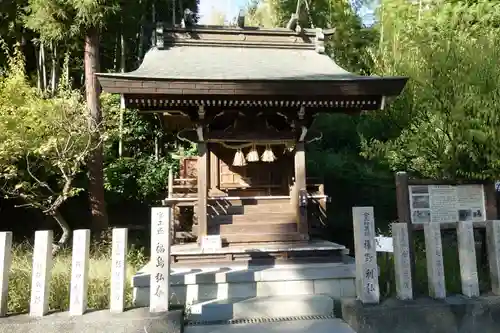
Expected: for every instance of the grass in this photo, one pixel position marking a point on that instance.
(451, 269)
(98, 283)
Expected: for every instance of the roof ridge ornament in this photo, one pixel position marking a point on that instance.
(160, 41)
(319, 41)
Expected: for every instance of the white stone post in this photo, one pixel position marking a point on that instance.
(467, 256)
(40, 280)
(435, 263)
(5, 261)
(79, 272)
(402, 264)
(118, 269)
(160, 259)
(367, 286)
(493, 241)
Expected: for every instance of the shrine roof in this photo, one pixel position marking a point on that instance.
(236, 63)
(187, 65)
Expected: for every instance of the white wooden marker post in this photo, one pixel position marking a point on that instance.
(5, 261)
(40, 280)
(402, 265)
(493, 240)
(435, 263)
(467, 256)
(366, 257)
(159, 290)
(118, 269)
(79, 272)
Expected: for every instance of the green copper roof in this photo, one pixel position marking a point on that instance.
(237, 63)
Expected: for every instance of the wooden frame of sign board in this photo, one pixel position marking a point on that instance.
(404, 208)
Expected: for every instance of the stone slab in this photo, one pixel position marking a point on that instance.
(188, 294)
(467, 257)
(493, 241)
(261, 307)
(402, 262)
(240, 274)
(160, 254)
(131, 321)
(367, 273)
(435, 260)
(318, 245)
(292, 326)
(457, 314)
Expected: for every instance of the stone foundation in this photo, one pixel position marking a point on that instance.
(189, 286)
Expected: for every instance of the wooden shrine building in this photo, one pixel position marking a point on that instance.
(247, 97)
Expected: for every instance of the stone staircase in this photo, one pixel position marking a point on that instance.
(236, 292)
(248, 221)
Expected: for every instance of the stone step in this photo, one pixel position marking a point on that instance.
(188, 285)
(261, 307)
(249, 209)
(240, 273)
(248, 228)
(261, 237)
(278, 217)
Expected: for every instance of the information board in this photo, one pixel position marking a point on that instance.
(447, 203)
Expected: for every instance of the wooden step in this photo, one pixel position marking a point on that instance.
(253, 218)
(259, 238)
(249, 209)
(252, 228)
(244, 202)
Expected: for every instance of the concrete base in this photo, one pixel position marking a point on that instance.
(235, 289)
(189, 286)
(295, 326)
(261, 307)
(132, 321)
(453, 315)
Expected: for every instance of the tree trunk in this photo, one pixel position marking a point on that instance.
(55, 68)
(38, 67)
(123, 55)
(66, 231)
(140, 47)
(92, 88)
(43, 66)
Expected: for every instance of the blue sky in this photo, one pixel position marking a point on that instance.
(230, 7)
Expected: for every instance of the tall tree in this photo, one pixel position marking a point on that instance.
(90, 18)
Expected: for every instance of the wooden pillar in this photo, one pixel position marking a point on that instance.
(214, 170)
(203, 169)
(300, 189)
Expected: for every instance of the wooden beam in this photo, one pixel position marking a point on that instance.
(252, 136)
(300, 187)
(203, 161)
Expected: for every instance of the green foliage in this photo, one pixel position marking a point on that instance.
(43, 142)
(448, 115)
(139, 175)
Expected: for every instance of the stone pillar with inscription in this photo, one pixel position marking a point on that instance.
(402, 263)
(79, 272)
(40, 280)
(118, 270)
(5, 261)
(367, 287)
(435, 263)
(493, 241)
(160, 260)
(467, 256)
